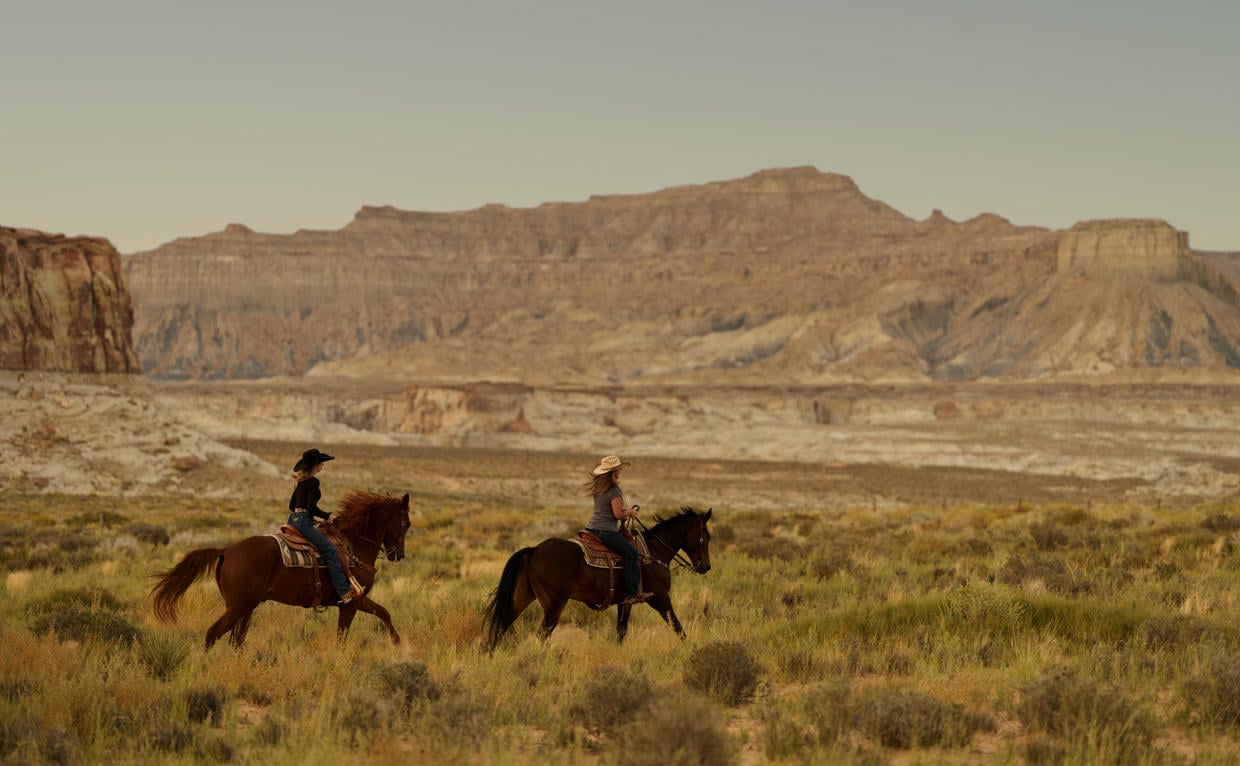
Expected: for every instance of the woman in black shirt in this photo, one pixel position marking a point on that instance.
(304, 508)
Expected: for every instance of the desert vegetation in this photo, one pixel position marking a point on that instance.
(1049, 633)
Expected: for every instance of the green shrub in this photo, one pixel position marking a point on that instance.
(170, 737)
(410, 682)
(1047, 568)
(148, 533)
(1084, 712)
(817, 719)
(1047, 535)
(908, 719)
(681, 729)
(462, 717)
(1213, 695)
(103, 518)
(724, 670)
(24, 740)
(978, 609)
(13, 689)
(610, 698)
(1178, 631)
(1043, 751)
(270, 732)
(213, 749)
(206, 705)
(1221, 523)
(81, 615)
(162, 652)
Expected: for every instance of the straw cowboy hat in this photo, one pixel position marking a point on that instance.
(310, 458)
(607, 465)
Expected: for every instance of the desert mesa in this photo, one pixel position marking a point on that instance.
(784, 316)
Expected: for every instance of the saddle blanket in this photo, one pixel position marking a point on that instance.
(294, 557)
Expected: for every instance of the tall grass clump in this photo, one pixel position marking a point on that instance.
(1088, 716)
(907, 718)
(24, 739)
(610, 698)
(162, 652)
(680, 728)
(1212, 696)
(409, 683)
(82, 614)
(811, 721)
(725, 670)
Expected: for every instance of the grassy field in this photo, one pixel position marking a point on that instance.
(1049, 632)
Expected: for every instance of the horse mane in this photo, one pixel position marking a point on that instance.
(662, 521)
(355, 507)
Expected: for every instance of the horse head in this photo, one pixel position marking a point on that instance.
(685, 531)
(697, 543)
(381, 520)
(396, 524)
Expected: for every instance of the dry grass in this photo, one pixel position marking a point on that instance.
(959, 634)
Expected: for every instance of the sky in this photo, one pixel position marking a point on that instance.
(146, 121)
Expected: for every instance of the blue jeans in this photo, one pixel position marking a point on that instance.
(620, 544)
(304, 523)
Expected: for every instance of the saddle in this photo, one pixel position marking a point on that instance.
(599, 555)
(298, 552)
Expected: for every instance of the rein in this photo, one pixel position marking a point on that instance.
(676, 554)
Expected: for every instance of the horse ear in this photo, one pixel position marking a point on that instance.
(404, 501)
(707, 516)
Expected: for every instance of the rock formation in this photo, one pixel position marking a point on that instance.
(1142, 249)
(63, 304)
(74, 416)
(787, 275)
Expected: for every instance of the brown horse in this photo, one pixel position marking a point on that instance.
(250, 572)
(555, 572)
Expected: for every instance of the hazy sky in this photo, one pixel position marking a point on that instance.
(145, 121)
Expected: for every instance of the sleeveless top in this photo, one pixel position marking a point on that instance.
(603, 518)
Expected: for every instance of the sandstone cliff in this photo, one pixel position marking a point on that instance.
(788, 275)
(63, 304)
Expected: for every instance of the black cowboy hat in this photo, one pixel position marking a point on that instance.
(310, 458)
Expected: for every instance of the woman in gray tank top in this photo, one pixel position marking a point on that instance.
(604, 523)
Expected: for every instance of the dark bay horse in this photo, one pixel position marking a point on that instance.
(555, 572)
(250, 572)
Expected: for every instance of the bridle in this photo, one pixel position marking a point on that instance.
(387, 550)
(677, 557)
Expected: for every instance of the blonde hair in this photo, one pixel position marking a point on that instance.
(598, 485)
(305, 473)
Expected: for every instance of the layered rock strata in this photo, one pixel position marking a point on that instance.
(63, 304)
(787, 275)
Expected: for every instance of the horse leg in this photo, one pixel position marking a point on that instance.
(243, 585)
(226, 624)
(551, 616)
(347, 613)
(241, 629)
(622, 621)
(662, 604)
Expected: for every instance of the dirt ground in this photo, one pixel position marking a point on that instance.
(663, 484)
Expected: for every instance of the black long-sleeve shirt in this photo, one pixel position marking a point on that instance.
(306, 495)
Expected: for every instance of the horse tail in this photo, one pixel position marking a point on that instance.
(173, 583)
(501, 613)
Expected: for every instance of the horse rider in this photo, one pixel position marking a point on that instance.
(604, 523)
(304, 508)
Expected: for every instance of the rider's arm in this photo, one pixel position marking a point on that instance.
(619, 511)
(313, 494)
